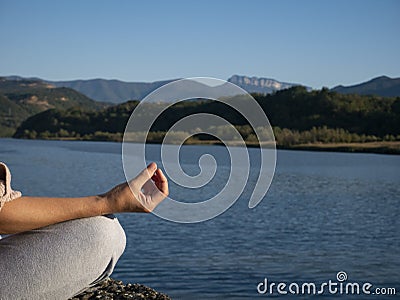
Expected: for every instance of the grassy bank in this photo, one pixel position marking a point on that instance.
(383, 147)
(379, 147)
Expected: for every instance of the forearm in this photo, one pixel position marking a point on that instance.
(27, 213)
(142, 194)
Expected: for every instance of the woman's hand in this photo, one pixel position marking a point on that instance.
(142, 194)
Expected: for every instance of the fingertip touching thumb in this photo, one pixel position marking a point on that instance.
(152, 166)
(147, 173)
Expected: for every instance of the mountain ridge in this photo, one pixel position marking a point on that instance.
(118, 91)
(112, 90)
(383, 86)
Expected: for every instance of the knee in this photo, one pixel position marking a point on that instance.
(106, 234)
(105, 238)
(61, 260)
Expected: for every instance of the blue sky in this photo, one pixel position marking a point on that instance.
(316, 43)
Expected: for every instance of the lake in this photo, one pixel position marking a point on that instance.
(324, 213)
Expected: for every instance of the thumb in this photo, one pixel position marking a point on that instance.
(146, 174)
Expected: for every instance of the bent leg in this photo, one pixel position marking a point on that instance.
(61, 260)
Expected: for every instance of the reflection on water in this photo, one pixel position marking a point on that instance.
(324, 213)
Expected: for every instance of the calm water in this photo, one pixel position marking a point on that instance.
(324, 213)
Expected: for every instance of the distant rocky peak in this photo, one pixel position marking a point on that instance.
(259, 84)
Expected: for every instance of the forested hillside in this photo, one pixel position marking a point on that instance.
(297, 116)
(20, 99)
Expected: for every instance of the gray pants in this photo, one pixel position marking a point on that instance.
(61, 260)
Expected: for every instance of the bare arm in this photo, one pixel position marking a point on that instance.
(143, 194)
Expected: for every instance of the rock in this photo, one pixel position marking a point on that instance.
(111, 289)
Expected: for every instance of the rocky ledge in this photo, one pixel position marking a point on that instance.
(111, 289)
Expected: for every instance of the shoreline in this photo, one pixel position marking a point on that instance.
(392, 148)
(382, 147)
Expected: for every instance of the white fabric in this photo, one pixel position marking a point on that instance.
(6, 192)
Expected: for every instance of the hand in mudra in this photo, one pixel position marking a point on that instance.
(142, 194)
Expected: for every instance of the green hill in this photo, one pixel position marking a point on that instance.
(20, 99)
(77, 123)
(297, 115)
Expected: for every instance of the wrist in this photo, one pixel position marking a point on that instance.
(102, 205)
